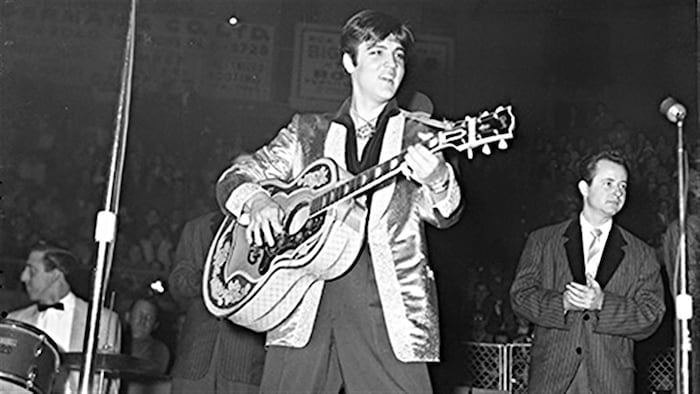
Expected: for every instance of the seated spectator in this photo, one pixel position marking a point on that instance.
(157, 249)
(523, 331)
(483, 299)
(135, 256)
(142, 320)
(478, 329)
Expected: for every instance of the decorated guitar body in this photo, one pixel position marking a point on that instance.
(324, 226)
(258, 287)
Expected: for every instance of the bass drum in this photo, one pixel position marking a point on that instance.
(29, 358)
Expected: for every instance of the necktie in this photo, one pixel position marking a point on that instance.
(43, 307)
(594, 249)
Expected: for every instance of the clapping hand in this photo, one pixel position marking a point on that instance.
(579, 297)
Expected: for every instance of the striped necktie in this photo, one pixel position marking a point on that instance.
(593, 250)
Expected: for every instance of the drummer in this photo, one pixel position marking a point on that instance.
(56, 310)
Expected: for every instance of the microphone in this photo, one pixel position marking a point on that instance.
(672, 109)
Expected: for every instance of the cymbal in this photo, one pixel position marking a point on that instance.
(113, 364)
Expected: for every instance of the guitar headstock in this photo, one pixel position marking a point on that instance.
(475, 131)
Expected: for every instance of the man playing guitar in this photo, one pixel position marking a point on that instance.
(374, 326)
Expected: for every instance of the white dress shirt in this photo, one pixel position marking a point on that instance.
(57, 323)
(587, 238)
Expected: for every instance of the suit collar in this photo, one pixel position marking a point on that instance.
(342, 116)
(612, 256)
(391, 147)
(574, 251)
(610, 260)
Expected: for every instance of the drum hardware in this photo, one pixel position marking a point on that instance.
(31, 376)
(39, 347)
(113, 365)
(29, 359)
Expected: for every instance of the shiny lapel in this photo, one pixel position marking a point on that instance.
(334, 147)
(391, 146)
(612, 256)
(574, 251)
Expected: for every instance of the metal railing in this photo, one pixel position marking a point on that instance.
(505, 368)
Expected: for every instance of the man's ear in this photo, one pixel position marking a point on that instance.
(58, 274)
(583, 187)
(348, 64)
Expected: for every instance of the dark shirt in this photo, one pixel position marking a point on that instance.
(150, 349)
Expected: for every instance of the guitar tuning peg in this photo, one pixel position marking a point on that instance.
(502, 144)
(486, 150)
(470, 153)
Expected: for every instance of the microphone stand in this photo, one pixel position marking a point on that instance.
(105, 227)
(684, 302)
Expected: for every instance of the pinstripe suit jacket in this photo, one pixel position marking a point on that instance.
(632, 309)
(240, 352)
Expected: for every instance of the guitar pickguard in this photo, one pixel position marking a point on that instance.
(239, 270)
(262, 256)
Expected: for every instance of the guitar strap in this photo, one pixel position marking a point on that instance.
(424, 118)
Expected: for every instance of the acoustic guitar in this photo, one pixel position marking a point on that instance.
(325, 215)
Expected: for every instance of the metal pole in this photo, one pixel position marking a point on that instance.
(105, 227)
(684, 303)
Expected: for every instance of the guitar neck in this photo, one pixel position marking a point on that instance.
(470, 133)
(363, 181)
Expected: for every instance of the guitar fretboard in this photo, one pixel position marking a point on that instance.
(361, 182)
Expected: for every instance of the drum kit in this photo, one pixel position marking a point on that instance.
(30, 361)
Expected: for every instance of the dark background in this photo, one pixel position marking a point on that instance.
(579, 75)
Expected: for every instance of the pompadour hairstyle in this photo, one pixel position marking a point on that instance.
(372, 26)
(589, 163)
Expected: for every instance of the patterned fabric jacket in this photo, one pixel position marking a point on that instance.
(395, 228)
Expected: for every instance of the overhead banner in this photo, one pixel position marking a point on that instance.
(320, 82)
(82, 43)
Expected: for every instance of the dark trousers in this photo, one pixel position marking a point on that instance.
(349, 346)
(212, 382)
